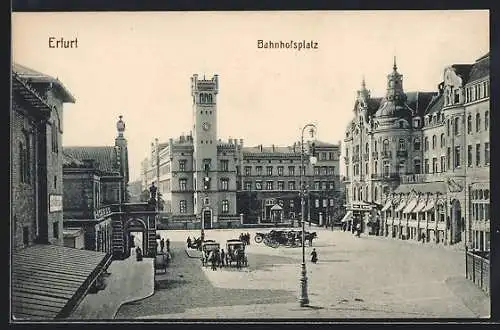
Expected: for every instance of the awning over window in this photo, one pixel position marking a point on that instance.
(387, 205)
(420, 205)
(49, 281)
(400, 206)
(430, 204)
(347, 216)
(411, 205)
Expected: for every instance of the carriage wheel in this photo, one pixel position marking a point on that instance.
(258, 238)
(274, 244)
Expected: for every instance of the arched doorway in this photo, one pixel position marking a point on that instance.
(206, 218)
(456, 222)
(136, 233)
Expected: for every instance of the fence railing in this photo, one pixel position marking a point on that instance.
(477, 269)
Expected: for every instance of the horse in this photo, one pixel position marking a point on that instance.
(310, 236)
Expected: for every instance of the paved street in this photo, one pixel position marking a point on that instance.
(355, 278)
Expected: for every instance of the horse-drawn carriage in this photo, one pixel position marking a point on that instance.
(209, 249)
(291, 238)
(235, 252)
(162, 260)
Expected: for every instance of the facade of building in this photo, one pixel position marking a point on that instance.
(203, 179)
(95, 177)
(417, 163)
(36, 205)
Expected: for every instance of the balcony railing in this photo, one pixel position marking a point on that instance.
(385, 176)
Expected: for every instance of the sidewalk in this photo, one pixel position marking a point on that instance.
(129, 281)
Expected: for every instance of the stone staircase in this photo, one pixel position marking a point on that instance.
(118, 239)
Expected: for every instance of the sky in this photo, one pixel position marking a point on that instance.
(139, 64)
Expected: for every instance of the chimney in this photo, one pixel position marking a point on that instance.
(260, 146)
(273, 147)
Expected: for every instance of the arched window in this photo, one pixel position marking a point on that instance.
(469, 124)
(416, 144)
(367, 147)
(366, 192)
(456, 125)
(443, 141)
(385, 146)
(360, 194)
(375, 146)
(354, 193)
(426, 143)
(210, 98)
(478, 122)
(402, 144)
(434, 141)
(448, 127)
(486, 120)
(375, 193)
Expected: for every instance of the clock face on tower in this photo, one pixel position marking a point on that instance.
(206, 126)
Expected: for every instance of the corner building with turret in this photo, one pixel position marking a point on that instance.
(204, 180)
(417, 163)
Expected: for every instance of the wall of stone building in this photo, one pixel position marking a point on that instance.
(434, 130)
(55, 166)
(78, 199)
(176, 200)
(110, 192)
(23, 195)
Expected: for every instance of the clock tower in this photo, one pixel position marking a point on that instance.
(205, 180)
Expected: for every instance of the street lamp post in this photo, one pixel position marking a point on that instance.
(303, 299)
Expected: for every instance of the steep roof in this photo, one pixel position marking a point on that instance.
(480, 69)
(34, 77)
(419, 101)
(271, 150)
(104, 157)
(462, 70)
(69, 160)
(435, 105)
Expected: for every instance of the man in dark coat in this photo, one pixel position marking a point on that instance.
(162, 244)
(168, 244)
(314, 256)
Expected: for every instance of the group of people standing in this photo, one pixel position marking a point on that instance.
(245, 238)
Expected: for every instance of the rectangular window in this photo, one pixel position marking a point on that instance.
(258, 169)
(443, 164)
(291, 185)
(269, 170)
(434, 165)
(322, 155)
(316, 203)
(291, 170)
(292, 204)
(258, 185)
(448, 158)
(280, 170)
(182, 184)
(331, 156)
(183, 206)
(224, 165)
(331, 201)
(426, 166)
(478, 154)
(331, 185)
(487, 153)
(225, 206)
(182, 165)
(323, 185)
(316, 185)
(469, 155)
(248, 170)
(331, 170)
(207, 164)
(457, 156)
(224, 184)
(324, 170)
(269, 185)
(416, 166)
(248, 185)
(55, 229)
(26, 235)
(316, 170)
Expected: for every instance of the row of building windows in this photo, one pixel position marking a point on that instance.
(477, 91)
(318, 170)
(478, 122)
(318, 185)
(183, 206)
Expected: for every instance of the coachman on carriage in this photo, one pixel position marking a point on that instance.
(210, 249)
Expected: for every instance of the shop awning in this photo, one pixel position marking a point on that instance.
(420, 205)
(430, 205)
(387, 205)
(49, 281)
(400, 206)
(411, 205)
(347, 216)
(276, 207)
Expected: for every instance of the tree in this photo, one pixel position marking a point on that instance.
(145, 196)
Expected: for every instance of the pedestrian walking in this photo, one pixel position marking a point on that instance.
(162, 244)
(188, 241)
(138, 254)
(423, 237)
(222, 257)
(168, 244)
(314, 256)
(213, 260)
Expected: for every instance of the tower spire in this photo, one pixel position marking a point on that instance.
(363, 82)
(395, 67)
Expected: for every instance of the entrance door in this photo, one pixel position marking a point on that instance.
(207, 219)
(456, 222)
